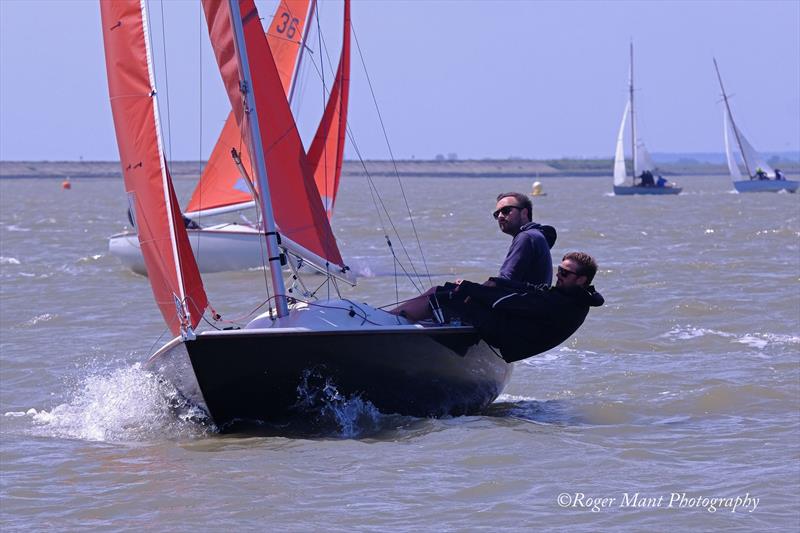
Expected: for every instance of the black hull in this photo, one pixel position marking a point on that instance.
(427, 372)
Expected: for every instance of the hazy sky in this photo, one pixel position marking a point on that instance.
(476, 78)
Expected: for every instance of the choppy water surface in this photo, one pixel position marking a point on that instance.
(684, 388)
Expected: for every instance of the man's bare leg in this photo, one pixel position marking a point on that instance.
(415, 309)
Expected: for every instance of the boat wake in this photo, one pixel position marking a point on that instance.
(563, 411)
(125, 404)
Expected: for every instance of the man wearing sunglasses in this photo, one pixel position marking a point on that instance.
(528, 261)
(525, 322)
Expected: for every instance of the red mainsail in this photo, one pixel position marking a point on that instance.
(171, 267)
(295, 198)
(221, 183)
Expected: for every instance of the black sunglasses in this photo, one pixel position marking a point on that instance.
(505, 210)
(563, 271)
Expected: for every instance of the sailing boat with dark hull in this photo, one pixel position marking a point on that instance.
(643, 166)
(255, 373)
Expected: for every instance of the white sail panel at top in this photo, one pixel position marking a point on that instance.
(730, 156)
(643, 160)
(619, 155)
(752, 158)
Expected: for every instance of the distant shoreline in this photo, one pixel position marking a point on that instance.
(478, 168)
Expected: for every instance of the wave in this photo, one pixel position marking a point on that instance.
(45, 317)
(756, 340)
(126, 404)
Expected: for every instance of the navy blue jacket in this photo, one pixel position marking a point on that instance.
(528, 260)
(521, 323)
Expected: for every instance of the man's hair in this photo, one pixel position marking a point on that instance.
(586, 263)
(522, 200)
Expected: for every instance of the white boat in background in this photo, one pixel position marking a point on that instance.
(761, 176)
(643, 167)
(225, 186)
(218, 248)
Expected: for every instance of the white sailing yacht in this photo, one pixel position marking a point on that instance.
(643, 166)
(760, 175)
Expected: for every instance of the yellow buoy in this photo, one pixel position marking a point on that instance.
(537, 189)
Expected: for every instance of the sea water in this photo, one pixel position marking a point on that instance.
(676, 405)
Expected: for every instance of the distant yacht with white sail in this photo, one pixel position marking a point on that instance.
(643, 167)
(760, 176)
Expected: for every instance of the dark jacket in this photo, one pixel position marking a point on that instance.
(528, 259)
(521, 323)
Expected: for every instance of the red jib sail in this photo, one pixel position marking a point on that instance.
(171, 267)
(327, 150)
(221, 184)
(295, 198)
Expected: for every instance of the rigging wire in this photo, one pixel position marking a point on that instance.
(379, 204)
(324, 147)
(200, 133)
(378, 199)
(391, 154)
(158, 340)
(166, 78)
(375, 193)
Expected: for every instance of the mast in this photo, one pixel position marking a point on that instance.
(257, 151)
(730, 116)
(633, 121)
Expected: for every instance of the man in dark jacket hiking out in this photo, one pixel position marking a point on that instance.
(524, 321)
(528, 261)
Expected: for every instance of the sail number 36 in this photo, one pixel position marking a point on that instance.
(287, 25)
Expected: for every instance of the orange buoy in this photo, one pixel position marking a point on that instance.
(66, 184)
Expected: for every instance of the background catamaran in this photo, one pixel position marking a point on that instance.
(254, 373)
(225, 187)
(761, 176)
(642, 162)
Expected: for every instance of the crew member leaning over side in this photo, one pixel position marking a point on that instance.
(528, 261)
(526, 322)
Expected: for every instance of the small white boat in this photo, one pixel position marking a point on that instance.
(761, 176)
(643, 167)
(218, 248)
